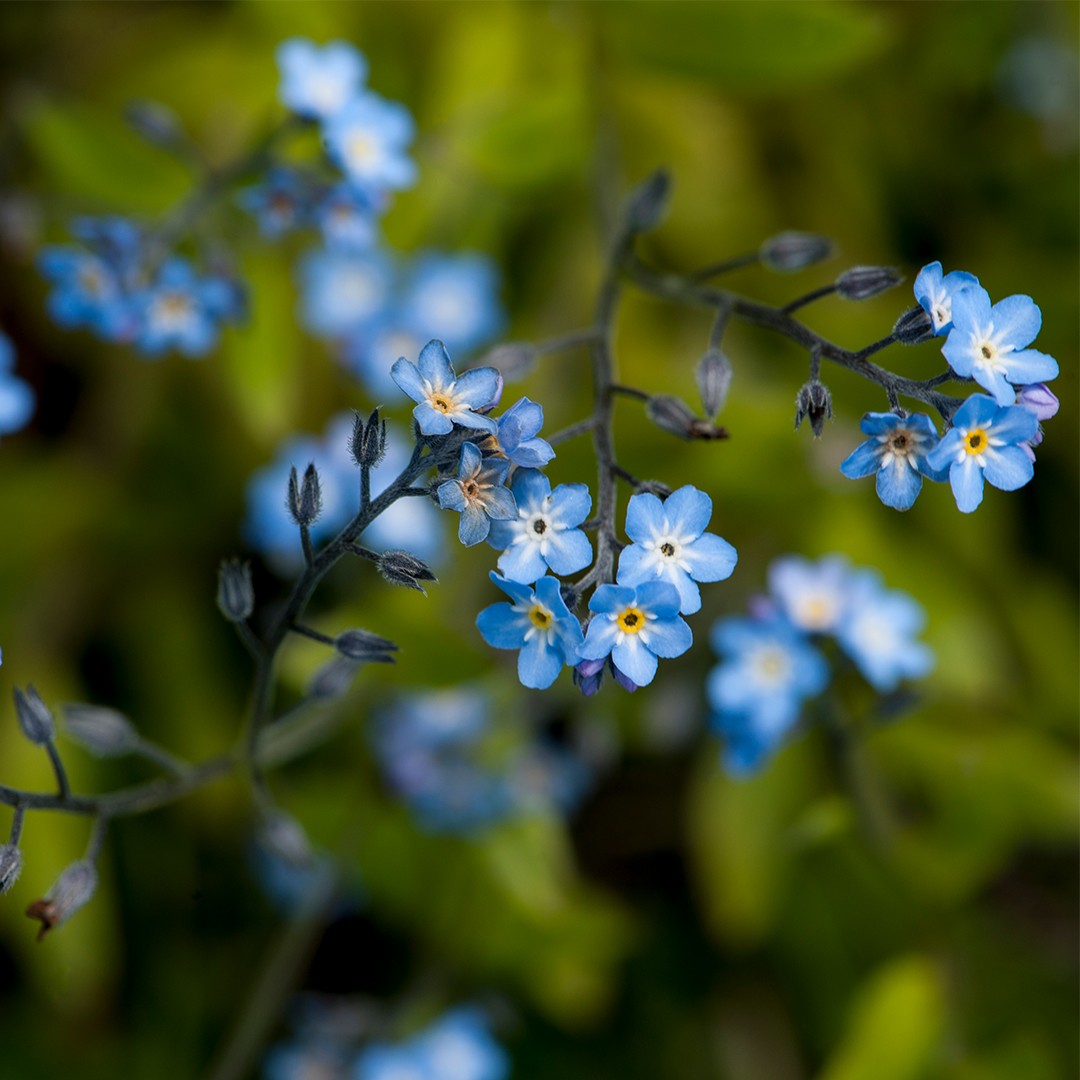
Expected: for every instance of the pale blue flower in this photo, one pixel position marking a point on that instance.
(88, 291)
(518, 435)
(459, 1046)
(317, 82)
(182, 310)
(935, 293)
(478, 494)
(367, 137)
(810, 595)
(896, 452)
(17, 399)
(343, 292)
(444, 398)
(280, 202)
(348, 218)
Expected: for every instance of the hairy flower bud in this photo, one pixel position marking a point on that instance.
(236, 594)
(103, 732)
(913, 327)
(304, 500)
(814, 403)
(368, 442)
(71, 890)
(673, 415)
(401, 568)
(792, 250)
(35, 719)
(862, 282)
(365, 647)
(713, 376)
(647, 204)
(10, 866)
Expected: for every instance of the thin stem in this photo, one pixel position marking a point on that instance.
(315, 635)
(716, 333)
(248, 638)
(716, 269)
(17, 824)
(563, 342)
(160, 756)
(809, 298)
(305, 543)
(58, 770)
(629, 391)
(582, 427)
(97, 838)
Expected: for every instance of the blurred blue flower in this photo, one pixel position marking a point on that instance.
(367, 137)
(371, 353)
(444, 398)
(182, 311)
(17, 399)
(348, 218)
(280, 202)
(459, 1046)
(454, 298)
(810, 595)
(344, 291)
(383, 1061)
(517, 437)
(87, 292)
(670, 544)
(306, 1060)
(896, 452)
(477, 494)
(317, 82)
(935, 293)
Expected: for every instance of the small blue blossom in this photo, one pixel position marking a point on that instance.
(985, 441)
(935, 293)
(367, 137)
(876, 631)
(636, 626)
(459, 1046)
(478, 494)
(444, 398)
(17, 400)
(348, 218)
(182, 311)
(343, 292)
(539, 623)
(670, 544)
(989, 344)
(811, 596)
(371, 353)
(317, 82)
(280, 202)
(767, 670)
(87, 292)
(117, 240)
(896, 451)
(518, 436)
(544, 534)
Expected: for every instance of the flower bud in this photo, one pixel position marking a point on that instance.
(304, 499)
(913, 327)
(155, 122)
(35, 719)
(647, 204)
(588, 675)
(333, 678)
(368, 443)
(103, 732)
(236, 594)
(623, 680)
(813, 403)
(365, 647)
(1039, 399)
(862, 282)
(673, 415)
(713, 376)
(513, 360)
(401, 568)
(71, 890)
(10, 866)
(789, 251)
(283, 837)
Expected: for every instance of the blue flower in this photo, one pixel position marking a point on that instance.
(305, 1060)
(454, 298)
(670, 544)
(876, 631)
(182, 311)
(367, 137)
(17, 399)
(316, 83)
(989, 344)
(767, 670)
(344, 291)
(810, 595)
(87, 292)
(539, 623)
(348, 218)
(985, 440)
(544, 533)
(384, 1061)
(636, 626)
(459, 1046)
(896, 452)
(280, 202)
(935, 293)
(517, 437)
(477, 494)
(371, 353)
(444, 398)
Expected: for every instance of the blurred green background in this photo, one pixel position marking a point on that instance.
(683, 924)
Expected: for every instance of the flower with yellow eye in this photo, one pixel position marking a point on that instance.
(444, 398)
(478, 494)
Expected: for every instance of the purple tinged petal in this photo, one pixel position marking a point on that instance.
(644, 517)
(634, 659)
(863, 460)
(688, 511)
(1039, 399)
(1008, 468)
(898, 485)
(966, 479)
(499, 504)
(1017, 321)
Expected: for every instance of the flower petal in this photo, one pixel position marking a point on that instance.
(966, 479)
(570, 504)
(711, 558)
(898, 484)
(522, 562)
(644, 517)
(434, 365)
(1017, 321)
(634, 659)
(502, 627)
(688, 511)
(568, 551)
(538, 664)
(667, 637)
(477, 387)
(864, 460)
(1008, 467)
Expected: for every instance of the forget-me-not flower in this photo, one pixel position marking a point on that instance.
(348, 217)
(182, 310)
(670, 544)
(444, 398)
(636, 626)
(87, 291)
(985, 440)
(539, 623)
(989, 344)
(478, 494)
(279, 202)
(518, 436)
(16, 397)
(367, 137)
(896, 451)
(811, 596)
(935, 291)
(544, 534)
(317, 82)
(459, 1046)
(343, 292)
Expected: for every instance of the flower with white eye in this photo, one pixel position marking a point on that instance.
(935, 291)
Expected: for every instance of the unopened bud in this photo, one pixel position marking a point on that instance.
(913, 327)
(333, 678)
(71, 890)
(304, 499)
(35, 719)
(365, 647)
(673, 415)
(284, 838)
(513, 360)
(103, 732)
(647, 204)
(713, 375)
(623, 679)
(588, 675)
(368, 443)
(236, 594)
(862, 282)
(789, 251)
(814, 403)
(10, 866)
(155, 122)
(1039, 399)
(401, 568)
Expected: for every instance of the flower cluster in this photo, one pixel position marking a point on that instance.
(443, 756)
(991, 437)
(771, 663)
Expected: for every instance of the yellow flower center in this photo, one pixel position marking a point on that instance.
(441, 402)
(540, 617)
(631, 620)
(976, 442)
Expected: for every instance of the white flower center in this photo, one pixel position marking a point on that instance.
(771, 667)
(361, 150)
(172, 311)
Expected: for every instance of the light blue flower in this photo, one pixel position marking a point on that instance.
(280, 202)
(459, 1046)
(348, 218)
(767, 670)
(518, 436)
(384, 1061)
(445, 399)
(343, 292)
(876, 631)
(371, 353)
(539, 623)
(989, 344)
(896, 451)
(670, 544)
(478, 494)
(810, 595)
(544, 533)
(182, 310)
(367, 137)
(17, 399)
(454, 298)
(636, 626)
(317, 82)
(87, 292)
(985, 441)
(935, 293)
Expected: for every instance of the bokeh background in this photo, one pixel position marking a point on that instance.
(681, 923)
